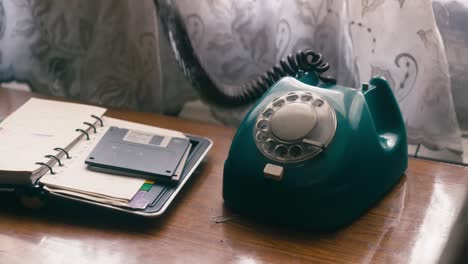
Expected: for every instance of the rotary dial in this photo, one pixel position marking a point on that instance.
(295, 126)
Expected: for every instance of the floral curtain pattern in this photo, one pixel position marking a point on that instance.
(103, 52)
(398, 39)
(112, 53)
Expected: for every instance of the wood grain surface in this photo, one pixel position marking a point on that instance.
(410, 225)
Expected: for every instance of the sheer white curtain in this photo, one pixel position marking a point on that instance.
(410, 53)
(452, 20)
(398, 39)
(113, 52)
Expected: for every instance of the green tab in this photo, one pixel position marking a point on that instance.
(146, 187)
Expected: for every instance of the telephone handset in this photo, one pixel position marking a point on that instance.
(309, 153)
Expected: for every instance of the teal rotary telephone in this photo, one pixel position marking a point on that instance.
(309, 153)
(314, 154)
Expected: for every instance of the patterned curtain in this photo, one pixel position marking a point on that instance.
(397, 39)
(109, 52)
(104, 52)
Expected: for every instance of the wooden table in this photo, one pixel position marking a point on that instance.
(410, 225)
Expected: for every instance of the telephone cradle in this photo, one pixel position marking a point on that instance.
(316, 155)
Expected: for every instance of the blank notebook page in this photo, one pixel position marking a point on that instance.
(38, 127)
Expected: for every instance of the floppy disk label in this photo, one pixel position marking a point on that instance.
(141, 137)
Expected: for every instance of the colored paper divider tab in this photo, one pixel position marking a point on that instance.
(138, 201)
(146, 187)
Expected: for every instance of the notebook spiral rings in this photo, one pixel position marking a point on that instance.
(47, 165)
(64, 151)
(58, 160)
(55, 158)
(83, 131)
(91, 125)
(99, 119)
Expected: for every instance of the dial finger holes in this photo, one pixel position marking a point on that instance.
(278, 103)
(268, 113)
(269, 146)
(295, 151)
(262, 136)
(292, 97)
(318, 103)
(281, 151)
(262, 125)
(306, 98)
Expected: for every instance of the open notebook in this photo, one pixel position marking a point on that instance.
(45, 144)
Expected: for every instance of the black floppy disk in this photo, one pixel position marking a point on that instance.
(140, 154)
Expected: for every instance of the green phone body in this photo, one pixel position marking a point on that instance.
(365, 157)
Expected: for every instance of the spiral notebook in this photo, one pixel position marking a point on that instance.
(45, 144)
